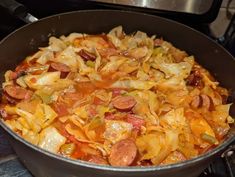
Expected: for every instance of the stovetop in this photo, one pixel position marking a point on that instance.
(10, 165)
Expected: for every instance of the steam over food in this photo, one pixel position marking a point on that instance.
(115, 99)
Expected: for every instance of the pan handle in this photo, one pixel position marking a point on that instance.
(18, 10)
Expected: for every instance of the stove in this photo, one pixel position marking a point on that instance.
(198, 18)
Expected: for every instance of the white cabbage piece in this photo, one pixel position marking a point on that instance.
(114, 64)
(177, 97)
(139, 39)
(175, 118)
(56, 45)
(133, 84)
(50, 139)
(94, 42)
(45, 115)
(30, 120)
(138, 52)
(173, 83)
(45, 79)
(147, 105)
(77, 132)
(141, 75)
(94, 77)
(71, 37)
(114, 35)
(181, 70)
(68, 57)
(32, 137)
(20, 81)
(44, 56)
(97, 60)
(221, 113)
(116, 130)
(41, 68)
(149, 145)
(169, 144)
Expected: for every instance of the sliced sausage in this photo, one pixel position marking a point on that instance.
(197, 101)
(207, 102)
(18, 92)
(86, 55)
(60, 67)
(123, 153)
(96, 159)
(195, 79)
(124, 103)
(203, 101)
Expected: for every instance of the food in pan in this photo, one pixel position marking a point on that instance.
(116, 99)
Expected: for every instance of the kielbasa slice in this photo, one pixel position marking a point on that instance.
(196, 102)
(207, 102)
(87, 55)
(123, 153)
(124, 103)
(18, 92)
(60, 67)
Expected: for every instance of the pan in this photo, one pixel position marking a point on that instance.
(26, 41)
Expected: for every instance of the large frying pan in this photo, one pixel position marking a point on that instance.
(27, 39)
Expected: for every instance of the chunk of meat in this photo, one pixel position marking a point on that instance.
(124, 103)
(195, 79)
(60, 67)
(138, 53)
(202, 101)
(196, 102)
(96, 159)
(86, 55)
(18, 92)
(136, 121)
(207, 102)
(123, 153)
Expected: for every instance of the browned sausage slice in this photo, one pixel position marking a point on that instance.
(124, 103)
(207, 102)
(60, 67)
(123, 153)
(18, 92)
(87, 55)
(197, 101)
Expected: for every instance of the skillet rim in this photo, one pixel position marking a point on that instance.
(185, 163)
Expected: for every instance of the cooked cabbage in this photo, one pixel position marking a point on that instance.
(51, 140)
(88, 96)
